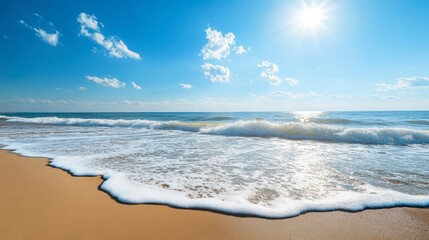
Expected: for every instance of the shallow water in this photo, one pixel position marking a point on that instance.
(276, 164)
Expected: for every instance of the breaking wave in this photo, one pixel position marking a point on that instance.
(319, 132)
(257, 128)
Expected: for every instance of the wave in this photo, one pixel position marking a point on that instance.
(219, 118)
(84, 121)
(311, 131)
(184, 126)
(418, 122)
(333, 121)
(257, 128)
(137, 168)
(118, 186)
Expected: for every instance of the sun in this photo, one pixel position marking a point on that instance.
(310, 18)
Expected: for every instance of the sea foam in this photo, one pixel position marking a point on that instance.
(119, 186)
(257, 128)
(251, 167)
(318, 132)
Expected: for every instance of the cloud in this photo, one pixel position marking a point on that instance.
(24, 23)
(239, 50)
(4, 36)
(108, 82)
(82, 88)
(185, 85)
(269, 72)
(33, 101)
(219, 46)
(286, 94)
(136, 86)
(292, 81)
(87, 22)
(216, 73)
(50, 38)
(90, 27)
(405, 83)
(38, 15)
(313, 95)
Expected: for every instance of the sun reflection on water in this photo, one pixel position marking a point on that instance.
(305, 116)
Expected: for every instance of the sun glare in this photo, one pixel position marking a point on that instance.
(310, 17)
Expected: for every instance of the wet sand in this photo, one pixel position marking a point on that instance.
(41, 202)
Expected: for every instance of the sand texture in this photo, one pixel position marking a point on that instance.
(41, 202)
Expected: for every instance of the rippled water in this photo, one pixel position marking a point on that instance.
(264, 164)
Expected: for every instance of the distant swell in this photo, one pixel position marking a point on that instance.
(257, 128)
(418, 122)
(84, 121)
(332, 121)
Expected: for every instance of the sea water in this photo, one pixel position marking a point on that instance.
(267, 164)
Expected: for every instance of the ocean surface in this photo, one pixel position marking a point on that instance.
(266, 164)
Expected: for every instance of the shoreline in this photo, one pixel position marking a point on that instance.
(212, 210)
(42, 202)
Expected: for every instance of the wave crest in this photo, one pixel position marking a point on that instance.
(256, 128)
(319, 132)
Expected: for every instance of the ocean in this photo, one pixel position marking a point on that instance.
(265, 164)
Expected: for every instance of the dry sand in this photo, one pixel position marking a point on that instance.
(41, 202)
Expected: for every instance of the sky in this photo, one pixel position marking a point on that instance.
(253, 55)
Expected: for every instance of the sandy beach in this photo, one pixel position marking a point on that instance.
(291, 120)
(41, 202)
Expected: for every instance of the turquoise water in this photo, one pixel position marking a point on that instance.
(272, 164)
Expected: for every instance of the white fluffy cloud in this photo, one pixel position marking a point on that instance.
(82, 88)
(90, 27)
(108, 82)
(216, 73)
(239, 50)
(50, 38)
(219, 46)
(185, 85)
(86, 21)
(269, 72)
(405, 83)
(136, 86)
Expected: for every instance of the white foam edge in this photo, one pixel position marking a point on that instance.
(116, 185)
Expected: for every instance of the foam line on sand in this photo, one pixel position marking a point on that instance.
(41, 202)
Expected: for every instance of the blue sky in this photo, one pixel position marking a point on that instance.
(214, 55)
